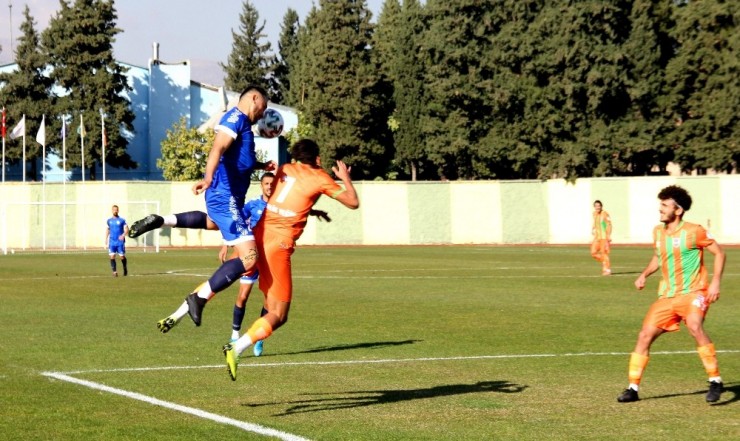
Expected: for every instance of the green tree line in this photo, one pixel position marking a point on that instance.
(458, 89)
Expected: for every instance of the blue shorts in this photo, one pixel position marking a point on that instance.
(249, 280)
(119, 249)
(224, 212)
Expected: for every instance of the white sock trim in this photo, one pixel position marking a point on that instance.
(170, 220)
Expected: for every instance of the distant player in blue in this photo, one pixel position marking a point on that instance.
(230, 164)
(115, 238)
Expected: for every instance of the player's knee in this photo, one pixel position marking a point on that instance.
(695, 329)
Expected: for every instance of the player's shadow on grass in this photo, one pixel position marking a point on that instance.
(624, 273)
(730, 395)
(365, 398)
(347, 347)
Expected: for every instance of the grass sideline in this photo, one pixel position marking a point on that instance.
(383, 343)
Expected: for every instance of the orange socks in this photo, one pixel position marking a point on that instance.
(260, 330)
(637, 367)
(709, 359)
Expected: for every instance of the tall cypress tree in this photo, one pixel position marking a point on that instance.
(703, 86)
(458, 82)
(399, 48)
(575, 86)
(250, 60)
(648, 49)
(78, 43)
(27, 90)
(343, 98)
(287, 46)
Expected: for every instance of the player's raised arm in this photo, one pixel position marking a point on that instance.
(348, 197)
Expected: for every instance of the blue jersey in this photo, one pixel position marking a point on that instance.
(115, 227)
(253, 210)
(235, 168)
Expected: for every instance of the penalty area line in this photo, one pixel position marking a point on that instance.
(248, 427)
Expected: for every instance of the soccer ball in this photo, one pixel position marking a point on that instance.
(271, 124)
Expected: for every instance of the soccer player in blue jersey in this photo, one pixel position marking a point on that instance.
(253, 212)
(227, 176)
(115, 238)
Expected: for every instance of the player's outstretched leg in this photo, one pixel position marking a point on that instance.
(141, 226)
(195, 307)
(166, 324)
(231, 360)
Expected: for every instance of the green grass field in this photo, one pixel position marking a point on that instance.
(383, 343)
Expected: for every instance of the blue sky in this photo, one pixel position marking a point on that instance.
(195, 30)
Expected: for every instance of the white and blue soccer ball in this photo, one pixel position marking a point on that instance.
(271, 124)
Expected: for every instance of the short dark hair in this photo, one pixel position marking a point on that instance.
(257, 88)
(305, 151)
(598, 202)
(678, 194)
(267, 175)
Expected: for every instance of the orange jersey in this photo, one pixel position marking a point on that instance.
(297, 188)
(602, 224)
(681, 257)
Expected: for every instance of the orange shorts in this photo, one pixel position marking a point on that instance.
(600, 246)
(276, 278)
(667, 313)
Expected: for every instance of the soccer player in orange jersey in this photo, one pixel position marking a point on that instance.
(602, 231)
(684, 293)
(297, 187)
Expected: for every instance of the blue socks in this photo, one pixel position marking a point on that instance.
(192, 219)
(226, 274)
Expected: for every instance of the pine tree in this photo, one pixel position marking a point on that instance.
(398, 47)
(250, 61)
(703, 87)
(78, 44)
(648, 49)
(287, 46)
(342, 92)
(27, 91)
(459, 84)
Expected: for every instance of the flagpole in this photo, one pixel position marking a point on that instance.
(64, 182)
(3, 133)
(24, 147)
(102, 139)
(41, 139)
(82, 148)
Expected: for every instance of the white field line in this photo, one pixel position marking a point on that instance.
(375, 274)
(266, 431)
(388, 360)
(248, 427)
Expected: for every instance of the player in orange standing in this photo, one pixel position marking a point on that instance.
(684, 293)
(297, 187)
(602, 231)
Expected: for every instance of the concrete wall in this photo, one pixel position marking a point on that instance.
(33, 215)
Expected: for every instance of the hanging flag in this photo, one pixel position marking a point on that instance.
(41, 135)
(81, 129)
(3, 126)
(20, 129)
